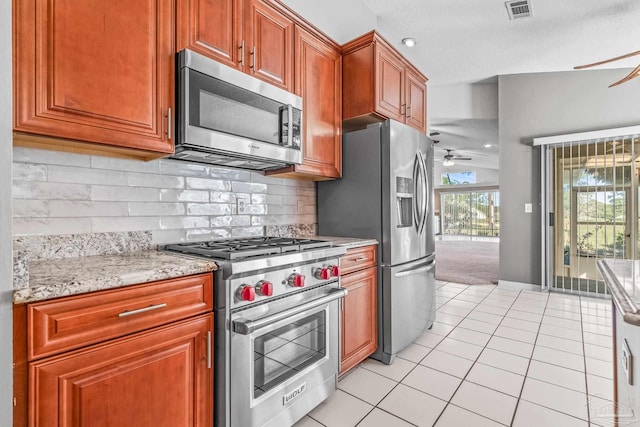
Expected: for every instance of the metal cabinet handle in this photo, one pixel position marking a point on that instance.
(362, 258)
(253, 58)
(242, 53)
(208, 349)
(403, 110)
(408, 111)
(169, 119)
(142, 310)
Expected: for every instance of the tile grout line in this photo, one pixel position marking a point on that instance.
(513, 417)
(475, 360)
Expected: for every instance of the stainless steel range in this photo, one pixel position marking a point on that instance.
(276, 339)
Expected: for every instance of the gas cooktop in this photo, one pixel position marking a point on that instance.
(233, 249)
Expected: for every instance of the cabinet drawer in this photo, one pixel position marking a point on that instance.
(73, 322)
(357, 259)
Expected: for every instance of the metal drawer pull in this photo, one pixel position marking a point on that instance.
(208, 349)
(142, 310)
(246, 327)
(364, 258)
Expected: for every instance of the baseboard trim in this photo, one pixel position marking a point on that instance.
(518, 286)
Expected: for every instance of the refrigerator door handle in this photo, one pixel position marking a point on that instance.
(412, 272)
(420, 181)
(425, 193)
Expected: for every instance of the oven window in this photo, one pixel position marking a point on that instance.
(283, 353)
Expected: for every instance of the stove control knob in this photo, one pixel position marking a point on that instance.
(246, 293)
(264, 288)
(296, 280)
(335, 270)
(322, 273)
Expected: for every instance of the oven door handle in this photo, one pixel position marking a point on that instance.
(246, 327)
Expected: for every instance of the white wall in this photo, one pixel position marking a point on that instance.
(483, 175)
(6, 276)
(64, 193)
(340, 26)
(544, 104)
(464, 101)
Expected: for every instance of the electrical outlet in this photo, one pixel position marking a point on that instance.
(528, 208)
(300, 207)
(242, 206)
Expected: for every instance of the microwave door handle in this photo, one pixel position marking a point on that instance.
(290, 130)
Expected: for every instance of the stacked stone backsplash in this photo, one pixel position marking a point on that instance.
(64, 193)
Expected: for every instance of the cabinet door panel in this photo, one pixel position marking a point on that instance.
(359, 317)
(271, 45)
(88, 71)
(318, 81)
(390, 80)
(155, 378)
(416, 91)
(212, 28)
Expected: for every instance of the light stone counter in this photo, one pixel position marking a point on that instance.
(348, 242)
(71, 276)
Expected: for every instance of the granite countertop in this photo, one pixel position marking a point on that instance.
(71, 276)
(623, 281)
(348, 242)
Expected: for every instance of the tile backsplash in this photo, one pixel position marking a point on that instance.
(65, 193)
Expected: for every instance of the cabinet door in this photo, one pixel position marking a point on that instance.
(212, 28)
(157, 378)
(390, 84)
(270, 35)
(319, 83)
(416, 92)
(99, 71)
(359, 317)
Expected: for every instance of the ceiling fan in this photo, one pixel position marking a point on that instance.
(633, 74)
(449, 158)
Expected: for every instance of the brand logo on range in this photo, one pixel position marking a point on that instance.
(295, 393)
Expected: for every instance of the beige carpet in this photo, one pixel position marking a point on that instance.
(471, 263)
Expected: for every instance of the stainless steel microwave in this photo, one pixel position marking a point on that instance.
(229, 118)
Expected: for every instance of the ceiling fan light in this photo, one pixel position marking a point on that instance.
(488, 145)
(448, 162)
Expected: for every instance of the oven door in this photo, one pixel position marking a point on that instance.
(283, 363)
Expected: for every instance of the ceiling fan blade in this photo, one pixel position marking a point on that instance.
(606, 61)
(632, 75)
(461, 158)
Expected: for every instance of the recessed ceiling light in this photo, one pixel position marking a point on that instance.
(488, 145)
(409, 42)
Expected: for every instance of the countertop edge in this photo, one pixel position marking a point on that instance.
(184, 266)
(620, 298)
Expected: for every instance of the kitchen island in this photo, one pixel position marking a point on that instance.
(623, 282)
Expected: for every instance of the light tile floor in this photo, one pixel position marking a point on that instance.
(494, 357)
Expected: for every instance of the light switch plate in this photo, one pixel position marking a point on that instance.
(528, 208)
(627, 361)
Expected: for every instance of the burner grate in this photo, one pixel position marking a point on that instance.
(233, 249)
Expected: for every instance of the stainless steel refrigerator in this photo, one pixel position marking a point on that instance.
(386, 193)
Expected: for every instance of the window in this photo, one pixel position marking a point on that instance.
(458, 178)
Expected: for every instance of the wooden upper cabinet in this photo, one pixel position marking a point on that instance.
(212, 28)
(416, 102)
(318, 80)
(269, 35)
(390, 84)
(379, 84)
(99, 71)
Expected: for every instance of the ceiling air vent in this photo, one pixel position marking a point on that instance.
(519, 9)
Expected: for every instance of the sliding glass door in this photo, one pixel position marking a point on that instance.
(592, 200)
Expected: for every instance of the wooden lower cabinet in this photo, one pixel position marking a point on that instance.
(359, 323)
(161, 377)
